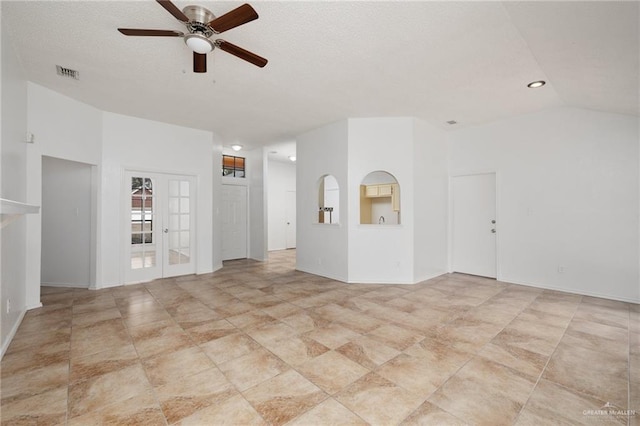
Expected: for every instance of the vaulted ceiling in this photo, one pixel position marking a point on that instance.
(439, 61)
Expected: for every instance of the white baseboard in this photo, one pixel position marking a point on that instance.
(322, 274)
(66, 285)
(12, 333)
(431, 276)
(569, 290)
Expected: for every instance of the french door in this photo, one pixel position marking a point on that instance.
(160, 226)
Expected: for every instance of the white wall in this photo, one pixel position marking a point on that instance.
(216, 224)
(13, 175)
(281, 178)
(431, 201)
(63, 128)
(71, 130)
(256, 163)
(66, 223)
(380, 254)
(322, 249)
(568, 196)
(131, 143)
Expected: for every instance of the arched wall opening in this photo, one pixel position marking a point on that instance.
(379, 199)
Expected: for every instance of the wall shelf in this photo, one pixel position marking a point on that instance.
(11, 210)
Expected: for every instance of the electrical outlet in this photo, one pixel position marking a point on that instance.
(8, 305)
(560, 269)
(319, 261)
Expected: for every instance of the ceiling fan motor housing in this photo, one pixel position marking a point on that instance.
(199, 17)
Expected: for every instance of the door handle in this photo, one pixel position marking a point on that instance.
(166, 230)
(493, 231)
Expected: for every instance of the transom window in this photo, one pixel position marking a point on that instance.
(233, 166)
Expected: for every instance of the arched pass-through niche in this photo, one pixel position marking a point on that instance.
(380, 199)
(328, 200)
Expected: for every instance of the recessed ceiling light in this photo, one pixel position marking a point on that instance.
(236, 147)
(292, 158)
(536, 84)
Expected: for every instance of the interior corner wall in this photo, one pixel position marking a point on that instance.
(431, 185)
(381, 253)
(568, 198)
(281, 178)
(321, 249)
(130, 143)
(13, 176)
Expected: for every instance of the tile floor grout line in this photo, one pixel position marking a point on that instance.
(548, 360)
(629, 366)
(476, 353)
(140, 361)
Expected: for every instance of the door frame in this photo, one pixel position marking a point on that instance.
(125, 217)
(287, 217)
(498, 220)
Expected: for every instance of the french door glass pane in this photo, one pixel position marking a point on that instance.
(143, 251)
(179, 221)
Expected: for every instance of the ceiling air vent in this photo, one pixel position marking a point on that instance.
(452, 122)
(68, 72)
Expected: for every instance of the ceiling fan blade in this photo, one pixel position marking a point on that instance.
(238, 16)
(241, 53)
(150, 33)
(173, 9)
(199, 62)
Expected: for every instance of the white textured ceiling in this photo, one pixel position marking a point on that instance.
(439, 61)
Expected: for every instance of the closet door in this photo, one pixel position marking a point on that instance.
(474, 224)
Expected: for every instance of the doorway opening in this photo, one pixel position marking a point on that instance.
(68, 257)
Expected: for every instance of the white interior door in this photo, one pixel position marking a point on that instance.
(290, 229)
(160, 229)
(234, 222)
(474, 224)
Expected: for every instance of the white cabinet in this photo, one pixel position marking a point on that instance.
(385, 190)
(375, 191)
(371, 191)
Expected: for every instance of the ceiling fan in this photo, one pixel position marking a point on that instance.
(202, 25)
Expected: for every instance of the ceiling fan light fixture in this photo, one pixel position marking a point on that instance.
(199, 43)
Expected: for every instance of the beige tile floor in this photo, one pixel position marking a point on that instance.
(259, 343)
